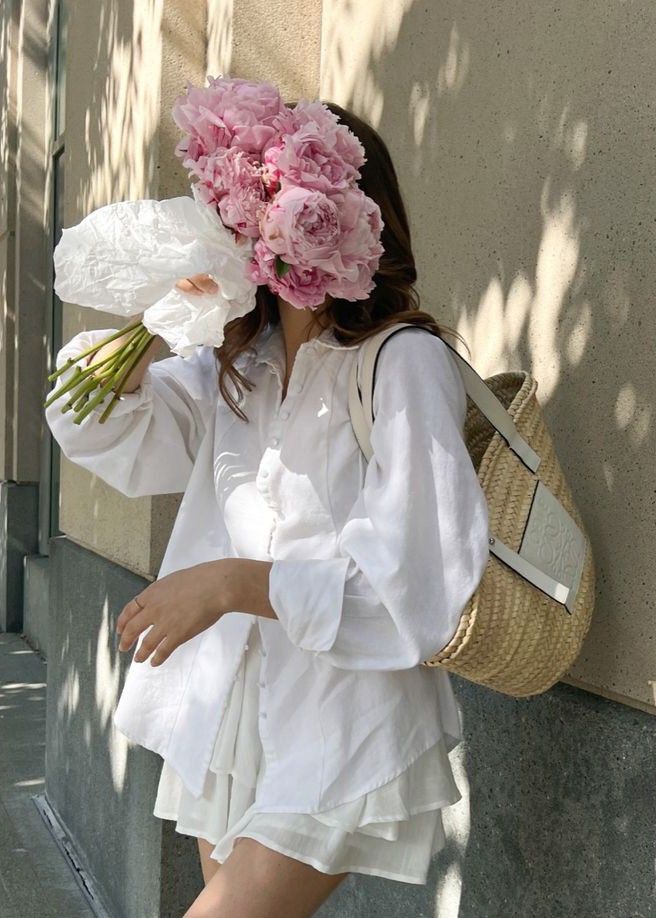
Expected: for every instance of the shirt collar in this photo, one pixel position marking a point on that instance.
(271, 344)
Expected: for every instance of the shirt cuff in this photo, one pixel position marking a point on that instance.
(307, 596)
(127, 401)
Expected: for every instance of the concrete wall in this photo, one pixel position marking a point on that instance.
(556, 818)
(523, 136)
(8, 76)
(23, 67)
(119, 145)
(23, 95)
(31, 243)
(101, 786)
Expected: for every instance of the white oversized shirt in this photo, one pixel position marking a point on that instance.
(372, 563)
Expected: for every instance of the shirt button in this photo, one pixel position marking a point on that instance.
(274, 441)
(261, 684)
(264, 473)
(284, 414)
(263, 652)
(263, 713)
(295, 388)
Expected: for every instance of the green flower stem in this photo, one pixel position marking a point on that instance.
(75, 379)
(141, 349)
(126, 354)
(80, 396)
(94, 347)
(80, 376)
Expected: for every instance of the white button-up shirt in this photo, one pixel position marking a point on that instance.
(372, 563)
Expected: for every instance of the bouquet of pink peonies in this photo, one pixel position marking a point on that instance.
(275, 202)
(287, 178)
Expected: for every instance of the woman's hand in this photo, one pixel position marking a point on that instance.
(197, 284)
(184, 603)
(136, 374)
(178, 607)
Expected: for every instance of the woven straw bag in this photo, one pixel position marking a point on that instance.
(523, 627)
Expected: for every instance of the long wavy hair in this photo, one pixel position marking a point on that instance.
(393, 299)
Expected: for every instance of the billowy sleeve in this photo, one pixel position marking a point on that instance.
(149, 442)
(415, 544)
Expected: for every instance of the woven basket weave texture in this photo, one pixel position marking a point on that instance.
(512, 637)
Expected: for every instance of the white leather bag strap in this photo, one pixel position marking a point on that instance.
(361, 386)
(361, 383)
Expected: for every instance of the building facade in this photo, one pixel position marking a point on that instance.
(523, 140)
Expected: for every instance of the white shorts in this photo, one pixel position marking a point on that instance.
(392, 831)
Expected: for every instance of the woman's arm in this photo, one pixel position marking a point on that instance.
(149, 442)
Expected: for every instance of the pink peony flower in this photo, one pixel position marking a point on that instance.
(232, 180)
(303, 158)
(336, 136)
(245, 197)
(360, 248)
(300, 286)
(339, 235)
(271, 175)
(242, 209)
(313, 150)
(302, 226)
(229, 112)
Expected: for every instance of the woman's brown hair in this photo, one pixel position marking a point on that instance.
(394, 297)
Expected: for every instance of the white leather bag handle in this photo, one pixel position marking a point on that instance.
(361, 388)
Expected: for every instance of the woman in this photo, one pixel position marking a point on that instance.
(277, 662)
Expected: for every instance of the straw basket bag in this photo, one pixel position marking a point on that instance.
(524, 625)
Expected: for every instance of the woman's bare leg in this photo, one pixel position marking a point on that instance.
(208, 865)
(257, 882)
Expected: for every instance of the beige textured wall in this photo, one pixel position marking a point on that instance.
(33, 116)
(119, 145)
(523, 142)
(277, 41)
(8, 77)
(120, 140)
(523, 137)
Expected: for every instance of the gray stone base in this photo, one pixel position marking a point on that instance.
(36, 601)
(18, 538)
(557, 820)
(102, 791)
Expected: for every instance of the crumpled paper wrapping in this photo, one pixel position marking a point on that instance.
(125, 258)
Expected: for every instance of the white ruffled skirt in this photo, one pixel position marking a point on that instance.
(392, 831)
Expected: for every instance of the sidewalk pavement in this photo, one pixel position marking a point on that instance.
(35, 879)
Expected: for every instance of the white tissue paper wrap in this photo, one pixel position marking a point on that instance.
(125, 258)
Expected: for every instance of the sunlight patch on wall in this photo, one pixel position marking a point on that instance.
(219, 37)
(555, 270)
(69, 696)
(571, 138)
(352, 35)
(108, 675)
(495, 327)
(453, 73)
(457, 828)
(631, 415)
(120, 125)
(580, 335)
